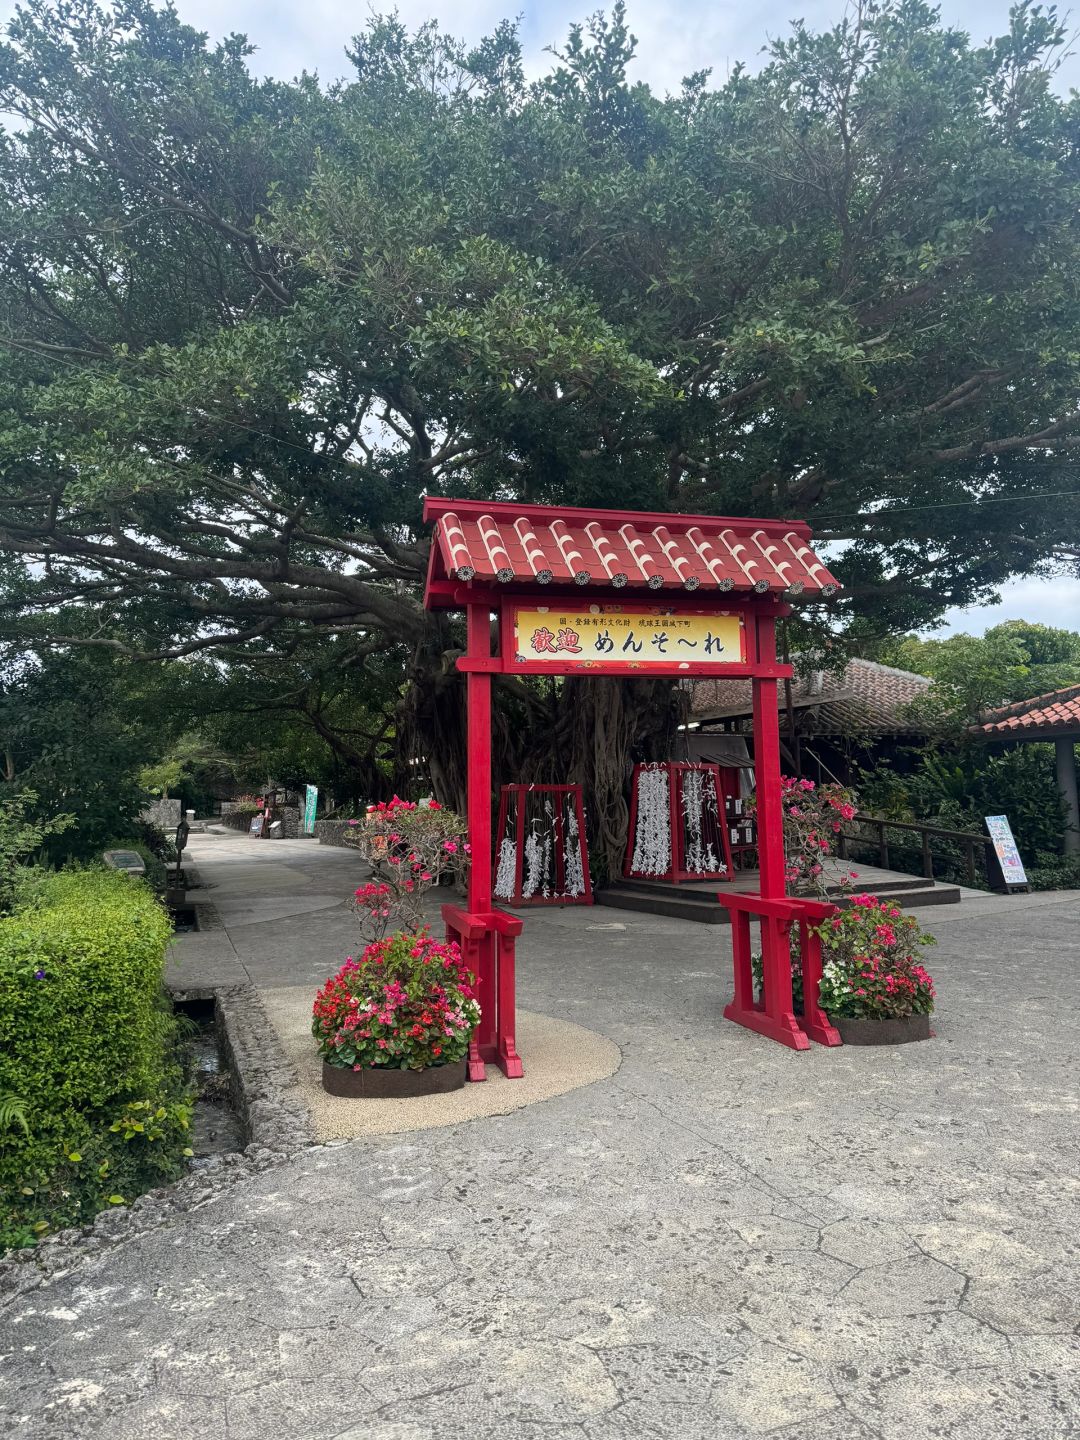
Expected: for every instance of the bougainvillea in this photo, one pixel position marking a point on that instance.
(408, 1002)
(872, 968)
(410, 847)
(813, 816)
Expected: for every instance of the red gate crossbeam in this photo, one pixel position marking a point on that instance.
(488, 942)
(775, 1015)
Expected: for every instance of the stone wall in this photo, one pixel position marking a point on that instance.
(165, 814)
(332, 832)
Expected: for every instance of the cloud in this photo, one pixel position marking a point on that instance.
(1045, 602)
(674, 39)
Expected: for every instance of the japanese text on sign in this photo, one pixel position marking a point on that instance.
(1008, 856)
(624, 635)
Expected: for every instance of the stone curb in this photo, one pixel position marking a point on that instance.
(275, 1130)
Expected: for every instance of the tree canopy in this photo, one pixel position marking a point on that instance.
(245, 325)
(974, 673)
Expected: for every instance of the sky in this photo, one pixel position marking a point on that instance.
(674, 39)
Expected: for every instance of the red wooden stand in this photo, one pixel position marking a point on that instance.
(488, 944)
(775, 1014)
(564, 820)
(712, 825)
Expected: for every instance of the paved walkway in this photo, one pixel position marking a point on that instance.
(725, 1239)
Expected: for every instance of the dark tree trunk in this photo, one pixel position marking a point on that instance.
(586, 732)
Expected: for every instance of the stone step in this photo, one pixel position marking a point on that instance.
(703, 910)
(681, 903)
(708, 889)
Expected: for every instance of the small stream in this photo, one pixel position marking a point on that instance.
(216, 1128)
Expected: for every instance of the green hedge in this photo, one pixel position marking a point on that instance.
(87, 1050)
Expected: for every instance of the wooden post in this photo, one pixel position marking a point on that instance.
(478, 699)
(770, 810)
(521, 801)
(675, 821)
(1065, 761)
(478, 689)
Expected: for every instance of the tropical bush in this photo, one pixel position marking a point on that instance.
(813, 815)
(871, 963)
(1054, 872)
(956, 786)
(407, 1003)
(88, 1054)
(21, 836)
(411, 847)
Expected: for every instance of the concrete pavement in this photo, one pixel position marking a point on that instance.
(725, 1239)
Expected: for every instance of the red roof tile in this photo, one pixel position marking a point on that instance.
(612, 549)
(1055, 713)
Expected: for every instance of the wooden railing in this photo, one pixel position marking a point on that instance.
(968, 841)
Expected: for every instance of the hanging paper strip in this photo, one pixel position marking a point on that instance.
(678, 828)
(541, 853)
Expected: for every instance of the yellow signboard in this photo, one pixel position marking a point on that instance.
(618, 636)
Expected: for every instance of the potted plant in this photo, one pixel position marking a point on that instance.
(874, 988)
(397, 1021)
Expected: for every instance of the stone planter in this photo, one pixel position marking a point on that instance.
(883, 1032)
(379, 1083)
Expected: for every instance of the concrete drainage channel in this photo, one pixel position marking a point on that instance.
(252, 1123)
(216, 1128)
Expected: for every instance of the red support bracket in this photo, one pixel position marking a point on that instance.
(488, 943)
(775, 1016)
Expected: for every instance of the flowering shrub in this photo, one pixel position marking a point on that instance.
(410, 846)
(812, 818)
(407, 1003)
(757, 967)
(871, 967)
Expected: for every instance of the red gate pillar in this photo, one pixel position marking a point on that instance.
(478, 693)
(478, 699)
(775, 930)
(770, 810)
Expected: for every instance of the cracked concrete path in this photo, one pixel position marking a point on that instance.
(725, 1239)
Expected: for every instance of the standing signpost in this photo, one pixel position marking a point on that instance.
(1013, 875)
(605, 592)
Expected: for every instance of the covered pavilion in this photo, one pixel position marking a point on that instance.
(1054, 717)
